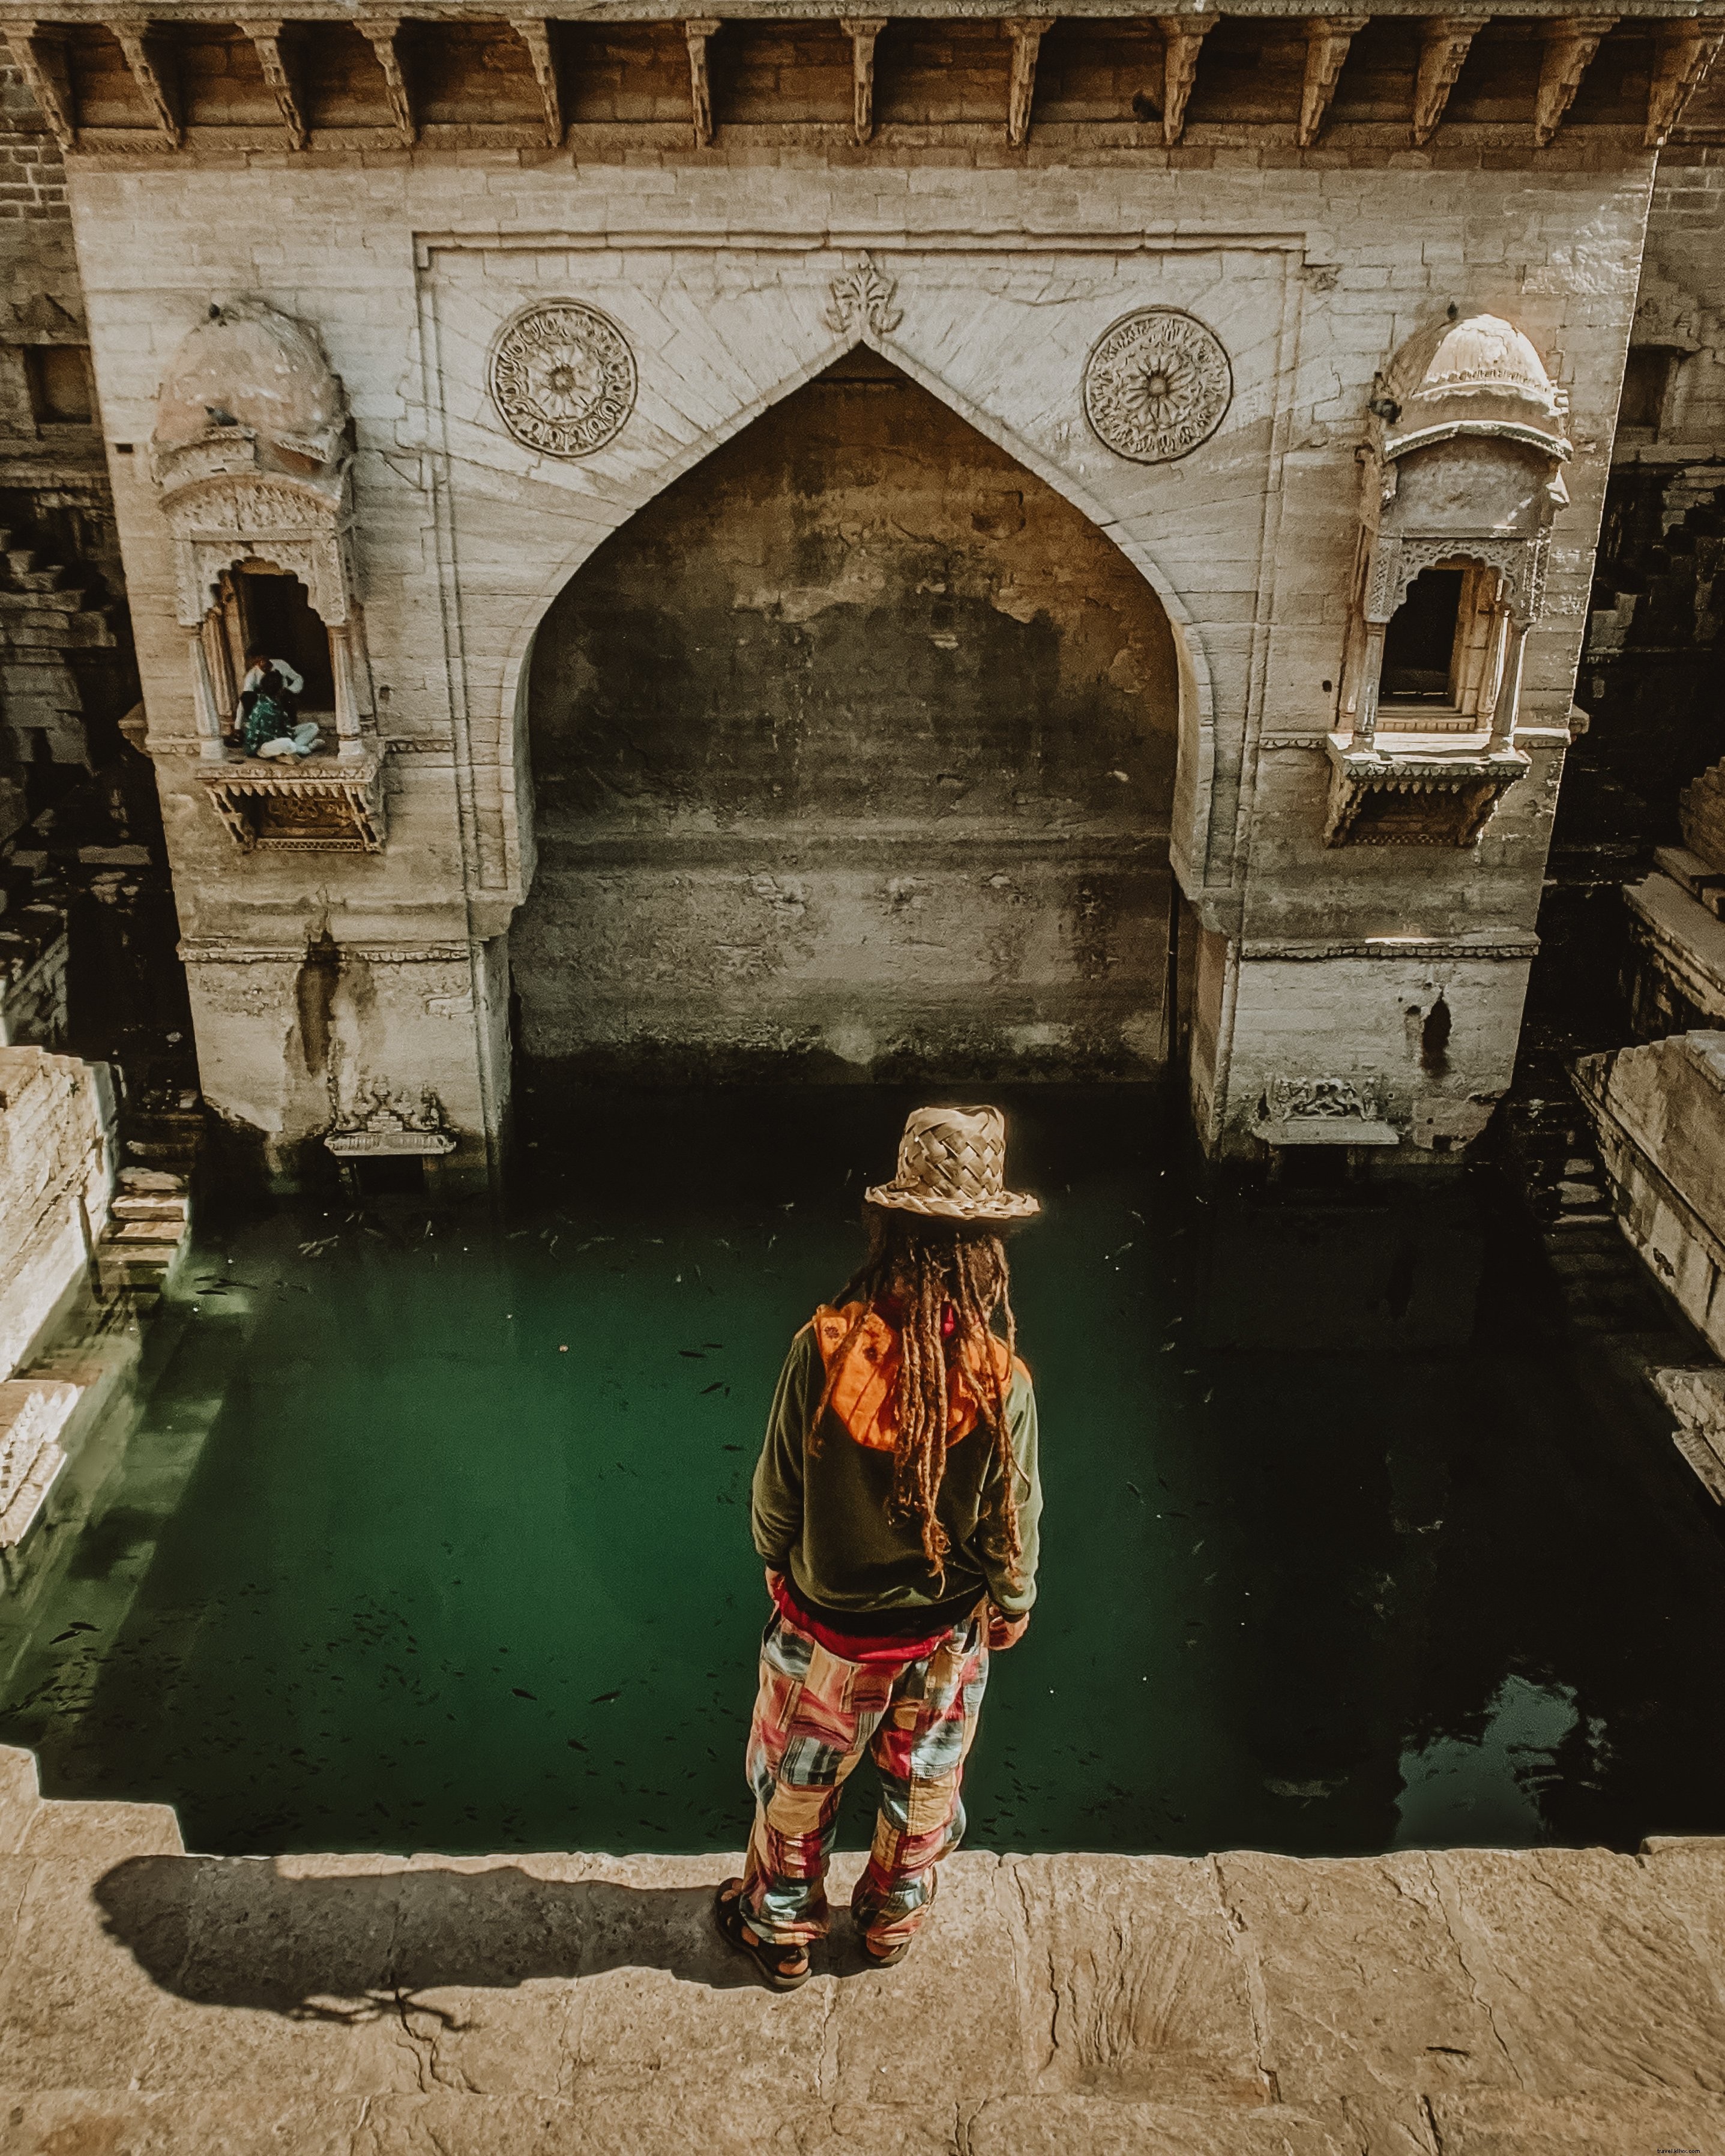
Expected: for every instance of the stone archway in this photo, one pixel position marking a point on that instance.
(855, 746)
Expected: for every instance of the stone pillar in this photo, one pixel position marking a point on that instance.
(212, 748)
(294, 1041)
(346, 693)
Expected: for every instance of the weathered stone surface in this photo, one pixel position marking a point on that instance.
(1146, 1996)
(19, 1796)
(1502, 2123)
(1592, 1982)
(117, 2122)
(1246, 2005)
(1688, 1873)
(92, 1831)
(77, 2012)
(1054, 2126)
(1365, 1984)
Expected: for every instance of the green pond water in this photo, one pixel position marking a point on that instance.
(430, 1530)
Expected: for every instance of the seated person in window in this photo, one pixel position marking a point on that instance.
(267, 725)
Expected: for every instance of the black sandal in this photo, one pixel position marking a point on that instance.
(895, 1955)
(769, 1960)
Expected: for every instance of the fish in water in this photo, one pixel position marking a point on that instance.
(520, 1694)
(604, 1698)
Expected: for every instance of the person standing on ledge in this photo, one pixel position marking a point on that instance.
(895, 1507)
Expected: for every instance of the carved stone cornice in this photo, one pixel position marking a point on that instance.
(1420, 949)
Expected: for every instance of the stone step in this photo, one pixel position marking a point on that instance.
(159, 1230)
(150, 1178)
(71, 1827)
(152, 1205)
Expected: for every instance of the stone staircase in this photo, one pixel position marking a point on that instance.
(1556, 2002)
(149, 1226)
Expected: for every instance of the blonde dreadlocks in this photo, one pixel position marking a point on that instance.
(915, 1270)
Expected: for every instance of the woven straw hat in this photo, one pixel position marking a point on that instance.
(952, 1166)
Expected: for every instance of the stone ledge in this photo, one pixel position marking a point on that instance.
(1461, 2003)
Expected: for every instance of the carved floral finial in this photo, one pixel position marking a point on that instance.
(862, 302)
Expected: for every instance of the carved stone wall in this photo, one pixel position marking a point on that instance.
(726, 276)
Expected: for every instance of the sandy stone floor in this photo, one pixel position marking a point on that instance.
(1469, 2004)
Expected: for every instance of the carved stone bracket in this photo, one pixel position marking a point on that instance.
(1414, 797)
(321, 804)
(1327, 38)
(135, 48)
(272, 57)
(862, 301)
(1182, 35)
(1570, 43)
(863, 30)
(42, 61)
(1444, 43)
(1686, 50)
(696, 34)
(534, 33)
(383, 33)
(1027, 33)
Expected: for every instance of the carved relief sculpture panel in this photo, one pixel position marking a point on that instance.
(562, 377)
(1157, 385)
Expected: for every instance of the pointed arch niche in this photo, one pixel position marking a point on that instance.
(854, 747)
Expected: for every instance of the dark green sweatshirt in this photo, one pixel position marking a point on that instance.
(824, 1516)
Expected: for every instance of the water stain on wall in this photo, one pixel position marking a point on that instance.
(858, 729)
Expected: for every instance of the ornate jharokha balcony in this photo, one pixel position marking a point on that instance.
(323, 804)
(1408, 789)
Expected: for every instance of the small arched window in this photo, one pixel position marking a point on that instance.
(1437, 650)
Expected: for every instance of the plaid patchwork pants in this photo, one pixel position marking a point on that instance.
(815, 1717)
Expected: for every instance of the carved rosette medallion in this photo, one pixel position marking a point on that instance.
(563, 378)
(1157, 385)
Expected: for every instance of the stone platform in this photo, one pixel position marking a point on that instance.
(1474, 2003)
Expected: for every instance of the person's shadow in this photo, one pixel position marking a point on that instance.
(228, 1932)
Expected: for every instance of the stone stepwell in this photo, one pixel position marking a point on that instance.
(1465, 2002)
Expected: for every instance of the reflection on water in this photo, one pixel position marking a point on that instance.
(430, 1533)
(1486, 1789)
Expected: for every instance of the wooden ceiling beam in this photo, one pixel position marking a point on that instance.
(862, 30)
(1327, 38)
(1685, 50)
(135, 44)
(1182, 35)
(1570, 43)
(267, 43)
(1027, 32)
